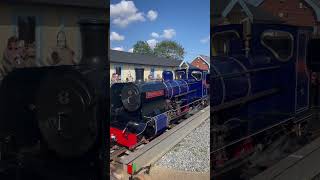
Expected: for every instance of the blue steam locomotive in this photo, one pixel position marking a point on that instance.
(260, 80)
(142, 110)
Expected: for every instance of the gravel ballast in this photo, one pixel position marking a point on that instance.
(192, 153)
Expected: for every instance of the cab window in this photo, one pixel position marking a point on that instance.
(222, 42)
(279, 43)
(180, 75)
(197, 75)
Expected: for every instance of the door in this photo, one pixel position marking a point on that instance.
(302, 75)
(204, 84)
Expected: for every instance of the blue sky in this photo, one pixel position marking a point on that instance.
(184, 21)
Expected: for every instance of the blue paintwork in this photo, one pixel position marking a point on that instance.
(161, 122)
(167, 75)
(293, 98)
(183, 90)
(175, 88)
(185, 84)
(228, 89)
(302, 92)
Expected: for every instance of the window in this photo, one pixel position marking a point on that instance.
(118, 70)
(279, 43)
(300, 5)
(197, 75)
(180, 75)
(152, 72)
(27, 29)
(222, 42)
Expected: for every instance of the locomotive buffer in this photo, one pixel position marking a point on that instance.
(145, 157)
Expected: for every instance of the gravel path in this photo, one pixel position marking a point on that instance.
(192, 153)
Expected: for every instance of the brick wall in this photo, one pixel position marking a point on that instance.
(291, 12)
(198, 62)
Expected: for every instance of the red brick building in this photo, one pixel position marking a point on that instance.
(202, 62)
(293, 12)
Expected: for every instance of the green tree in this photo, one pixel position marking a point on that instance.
(169, 49)
(142, 47)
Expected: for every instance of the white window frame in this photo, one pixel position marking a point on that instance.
(276, 55)
(198, 72)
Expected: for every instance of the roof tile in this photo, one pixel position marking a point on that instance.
(142, 59)
(78, 3)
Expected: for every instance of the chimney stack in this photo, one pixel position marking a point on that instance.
(94, 42)
(139, 75)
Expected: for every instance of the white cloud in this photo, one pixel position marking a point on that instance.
(130, 50)
(118, 48)
(116, 37)
(205, 40)
(124, 13)
(152, 43)
(123, 8)
(168, 33)
(152, 15)
(124, 22)
(154, 35)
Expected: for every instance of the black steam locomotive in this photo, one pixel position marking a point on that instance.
(52, 122)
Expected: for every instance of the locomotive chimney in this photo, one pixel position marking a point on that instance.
(94, 42)
(139, 75)
(167, 75)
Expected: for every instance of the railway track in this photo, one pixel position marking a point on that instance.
(134, 164)
(236, 168)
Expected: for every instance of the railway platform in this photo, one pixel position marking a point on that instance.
(140, 164)
(304, 164)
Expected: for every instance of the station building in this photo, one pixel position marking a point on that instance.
(124, 65)
(293, 12)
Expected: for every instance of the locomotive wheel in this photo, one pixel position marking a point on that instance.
(67, 123)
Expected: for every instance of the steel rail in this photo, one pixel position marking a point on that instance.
(154, 150)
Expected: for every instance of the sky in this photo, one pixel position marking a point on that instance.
(184, 21)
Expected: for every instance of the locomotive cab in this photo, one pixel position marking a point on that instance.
(243, 55)
(259, 81)
(181, 74)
